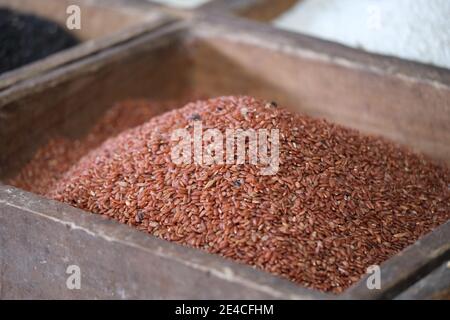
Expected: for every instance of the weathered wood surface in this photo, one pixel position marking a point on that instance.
(409, 266)
(404, 101)
(104, 24)
(41, 238)
(259, 10)
(213, 55)
(435, 285)
(67, 101)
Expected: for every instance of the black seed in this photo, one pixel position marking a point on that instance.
(140, 216)
(26, 38)
(195, 117)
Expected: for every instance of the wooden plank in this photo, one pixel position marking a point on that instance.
(118, 22)
(99, 17)
(259, 10)
(404, 101)
(435, 285)
(41, 238)
(61, 101)
(407, 267)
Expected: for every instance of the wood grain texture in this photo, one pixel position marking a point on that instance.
(216, 55)
(259, 10)
(435, 286)
(403, 101)
(104, 24)
(407, 268)
(116, 261)
(68, 100)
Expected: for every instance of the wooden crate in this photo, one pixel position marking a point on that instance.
(216, 55)
(105, 23)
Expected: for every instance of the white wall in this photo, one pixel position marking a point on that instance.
(412, 29)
